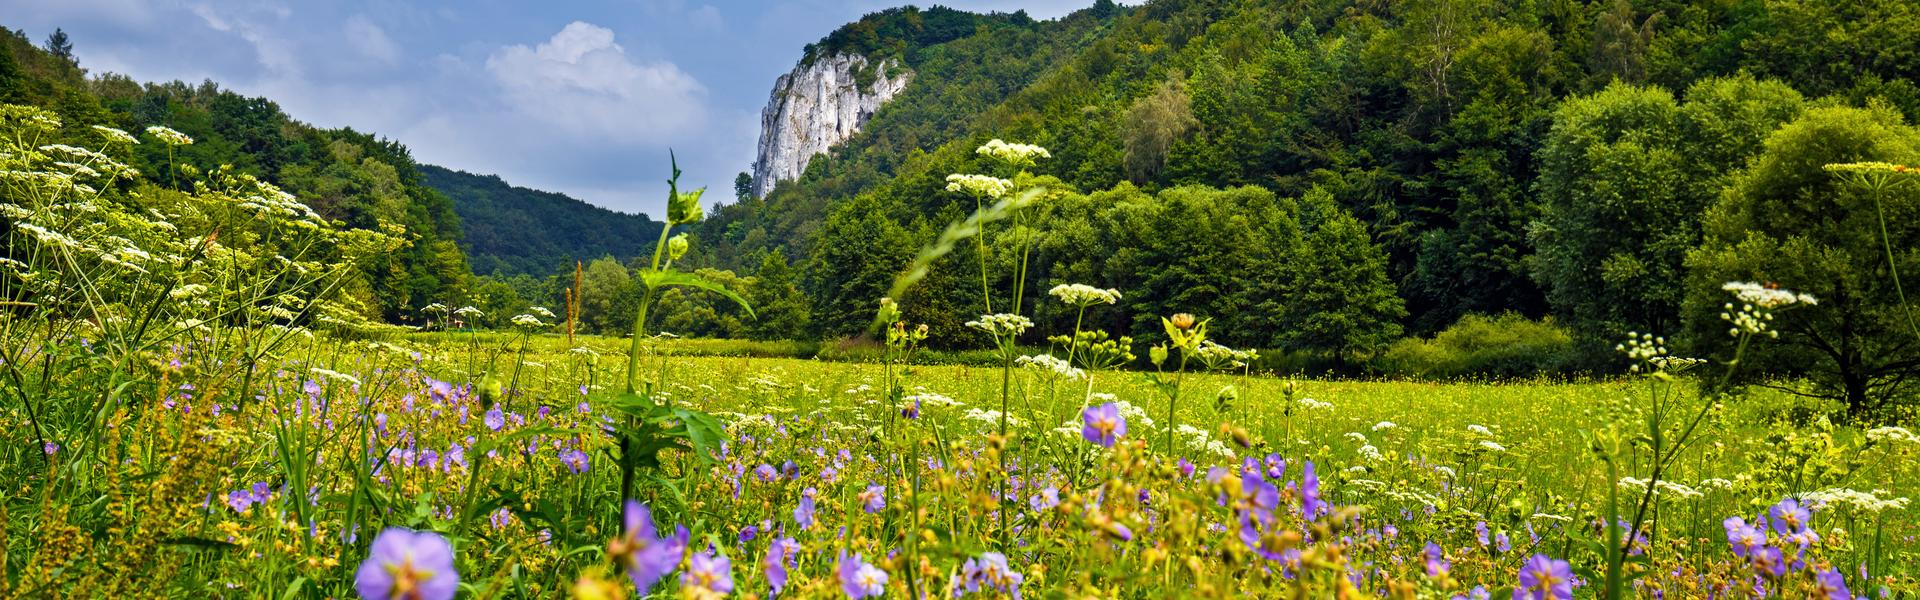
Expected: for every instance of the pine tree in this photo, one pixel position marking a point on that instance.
(60, 46)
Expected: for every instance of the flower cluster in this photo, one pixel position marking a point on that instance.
(1017, 155)
(1766, 296)
(1002, 325)
(1083, 295)
(979, 186)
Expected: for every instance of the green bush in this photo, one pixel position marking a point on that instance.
(1504, 346)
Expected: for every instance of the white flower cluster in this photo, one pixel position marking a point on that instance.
(1384, 425)
(1312, 404)
(1050, 363)
(468, 311)
(1014, 154)
(541, 311)
(1002, 324)
(980, 186)
(1370, 453)
(528, 321)
(335, 375)
(931, 399)
(1871, 502)
(1198, 439)
(116, 135)
(1493, 446)
(989, 417)
(169, 136)
(1480, 429)
(1663, 488)
(1136, 416)
(1765, 296)
(1892, 434)
(1083, 295)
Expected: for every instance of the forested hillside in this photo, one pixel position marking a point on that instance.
(517, 231)
(1546, 158)
(357, 179)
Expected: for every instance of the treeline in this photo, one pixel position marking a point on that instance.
(510, 230)
(354, 178)
(1548, 159)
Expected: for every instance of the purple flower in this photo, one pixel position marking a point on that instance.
(790, 470)
(1276, 466)
(748, 533)
(782, 554)
(1437, 564)
(408, 564)
(239, 500)
(495, 419)
(1743, 537)
(1769, 561)
(874, 499)
(646, 556)
(575, 460)
(1832, 585)
(764, 472)
(1501, 542)
(1104, 425)
(1542, 578)
(911, 411)
(859, 579)
(1789, 517)
(1480, 533)
(990, 570)
(803, 514)
(500, 518)
(1186, 468)
(1047, 498)
(708, 572)
(1310, 503)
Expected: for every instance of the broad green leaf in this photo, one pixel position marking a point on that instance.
(660, 279)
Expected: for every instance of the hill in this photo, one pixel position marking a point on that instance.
(513, 230)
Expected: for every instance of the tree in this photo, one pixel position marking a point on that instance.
(1342, 301)
(1788, 221)
(778, 301)
(743, 187)
(1619, 49)
(59, 46)
(605, 288)
(1151, 127)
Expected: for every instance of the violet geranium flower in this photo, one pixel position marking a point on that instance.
(408, 565)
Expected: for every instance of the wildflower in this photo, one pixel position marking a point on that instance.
(1769, 561)
(1789, 517)
(1083, 295)
(765, 473)
(1052, 365)
(575, 460)
(408, 564)
(874, 498)
(1002, 325)
(979, 186)
(860, 579)
(782, 554)
(528, 321)
(495, 419)
(1384, 425)
(50, 447)
(708, 574)
(1310, 503)
(115, 135)
(1104, 425)
(803, 514)
(991, 571)
(1436, 563)
(1017, 155)
(1044, 500)
(169, 136)
(645, 556)
(1766, 296)
(1832, 585)
(1542, 578)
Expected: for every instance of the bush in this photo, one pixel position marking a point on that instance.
(1505, 346)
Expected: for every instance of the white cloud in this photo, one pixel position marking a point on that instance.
(370, 40)
(583, 82)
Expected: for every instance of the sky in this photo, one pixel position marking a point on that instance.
(582, 97)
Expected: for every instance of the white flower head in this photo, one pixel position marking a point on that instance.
(980, 186)
(169, 137)
(1051, 364)
(1002, 324)
(1083, 295)
(1018, 155)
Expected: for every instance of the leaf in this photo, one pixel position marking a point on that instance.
(660, 279)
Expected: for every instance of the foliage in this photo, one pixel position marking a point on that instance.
(1787, 219)
(511, 230)
(1505, 346)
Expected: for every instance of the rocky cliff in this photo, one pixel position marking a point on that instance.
(816, 106)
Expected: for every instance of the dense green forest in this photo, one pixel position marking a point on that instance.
(517, 231)
(1552, 158)
(357, 179)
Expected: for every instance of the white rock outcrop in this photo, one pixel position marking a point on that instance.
(815, 107)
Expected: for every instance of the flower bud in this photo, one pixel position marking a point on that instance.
(1158, 354)
(677, 247)
(684, 207)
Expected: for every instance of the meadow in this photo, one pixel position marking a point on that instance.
(195, 406)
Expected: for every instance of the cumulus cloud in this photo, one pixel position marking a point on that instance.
(580, 80)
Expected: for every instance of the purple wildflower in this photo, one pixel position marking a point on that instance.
(495, 419)
(1789, 517)
(1769, 561)
(1832, 585)
(646, 556)
(1104, 425)
(782, 554)
(1310, 503)
(859, 579)
(1437, 564)
(408, 564)
(1542, 578)
(575, 460)
(764, 473)
(1742, 537)
(874, 499)
(1047, 498)
(708, 572)
(803, 514)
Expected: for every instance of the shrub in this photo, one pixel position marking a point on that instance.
(1504, 346)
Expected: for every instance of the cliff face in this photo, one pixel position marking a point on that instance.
(815, 107)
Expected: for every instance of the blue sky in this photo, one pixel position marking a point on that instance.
(579, 97)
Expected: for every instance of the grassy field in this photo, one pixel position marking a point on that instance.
(816, 483)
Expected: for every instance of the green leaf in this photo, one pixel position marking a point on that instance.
(659, 279)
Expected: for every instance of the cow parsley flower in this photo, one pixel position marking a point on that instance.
(1083, 295)
(1017, 155)
(1051, 364)
(979, 186)
(169, 137)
